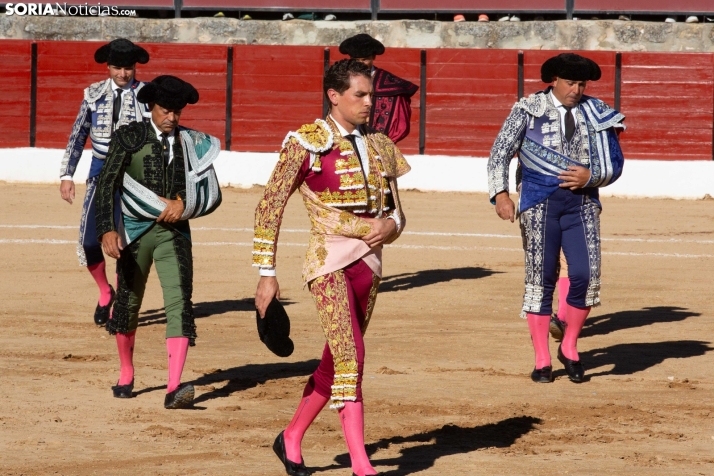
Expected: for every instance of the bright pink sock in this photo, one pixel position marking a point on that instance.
(177, 348)
(563, 287)
(98, 272)
(352, 420)
(576, 320)
(310, 406)
(539, 327)
(125, 346)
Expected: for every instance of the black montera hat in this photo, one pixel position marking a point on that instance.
(169, 92)
(122, 53)
(274, 329)
(361, 46)
(570, 66)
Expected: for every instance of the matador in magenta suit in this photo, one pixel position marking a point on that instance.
(392, 109)
(347, 175)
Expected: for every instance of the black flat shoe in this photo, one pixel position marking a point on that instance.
(574, 368)
(557, 327)
(123, 391)
(293, 469)
(101, 313)
(182, 397)
(544, 375)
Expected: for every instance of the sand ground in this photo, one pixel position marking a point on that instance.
(446, 389)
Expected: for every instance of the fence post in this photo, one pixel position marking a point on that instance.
(569, 8)
(520, 74)
(374, 8)
(422, 104)
(33, 95)
(229, 98)
(178, 5)
(325, 67)
(618, 79)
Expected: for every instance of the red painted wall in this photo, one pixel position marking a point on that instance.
(668, 98)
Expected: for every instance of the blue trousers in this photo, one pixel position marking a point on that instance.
(571, 221)
(89, 250)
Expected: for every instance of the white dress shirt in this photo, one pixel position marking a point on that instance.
(172, 134)
(359, 140)
(561, 109)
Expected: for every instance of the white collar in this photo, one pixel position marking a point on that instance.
(343, 131)
(556, 103)
(126, 87)
(158, 131)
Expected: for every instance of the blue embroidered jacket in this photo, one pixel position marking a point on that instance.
(95, 121)
(533, 130)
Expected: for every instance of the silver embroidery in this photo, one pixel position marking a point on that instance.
(591, 225)
(533, 233)
(504, 148)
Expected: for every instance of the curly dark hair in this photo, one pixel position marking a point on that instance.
(338, 76)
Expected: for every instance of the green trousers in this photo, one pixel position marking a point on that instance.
(170, 252)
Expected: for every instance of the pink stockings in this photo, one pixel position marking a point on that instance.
(177, 349)
(351, 419)
(563, 287)
(98, 272)
(539, 326)
(125, 346)
(574, 324)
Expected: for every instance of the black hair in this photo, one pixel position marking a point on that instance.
(338, 76)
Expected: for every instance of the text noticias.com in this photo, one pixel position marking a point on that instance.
(62, 9)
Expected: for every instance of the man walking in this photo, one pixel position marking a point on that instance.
(347, 175)
(567, 148)
(107, 105)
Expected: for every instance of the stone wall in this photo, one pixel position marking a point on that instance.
(552, 35)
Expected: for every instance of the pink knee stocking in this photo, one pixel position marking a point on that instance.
(177, 348)
(310, 406)
(98, 272)
(576, 320)
(125, 346)
(563, 287)
(352, 420)
(538, 326)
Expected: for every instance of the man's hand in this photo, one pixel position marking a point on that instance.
(267, 289)
(67, 190)
(382, 230)
(575, 177)
(111, 244)
(505, 208)
(172, 212)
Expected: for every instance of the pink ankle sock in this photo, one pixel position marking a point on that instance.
(563, 287)
(310, 406)
(539, 327)
(98, 272)
(177, 348)
(576, 320)
(125, 346)
(352, 420)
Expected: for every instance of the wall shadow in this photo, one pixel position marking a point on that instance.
(632, 358)
(427, 277)
(204, 309)
(250, 376)
(607, 323)
(445, 441)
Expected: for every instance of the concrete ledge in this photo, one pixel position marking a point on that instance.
(641, 178)
(605, 35)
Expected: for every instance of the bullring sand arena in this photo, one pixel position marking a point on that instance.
(447, 386)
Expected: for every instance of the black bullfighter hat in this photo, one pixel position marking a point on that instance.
(274, 329)
(122, 53)
(570, 66)
(169, 92)
(361, 46)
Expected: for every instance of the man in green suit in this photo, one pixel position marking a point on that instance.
(164, 175)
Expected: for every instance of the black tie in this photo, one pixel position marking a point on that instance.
(353, 139)
(569, 124)
(165, 148)
(116, 108)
